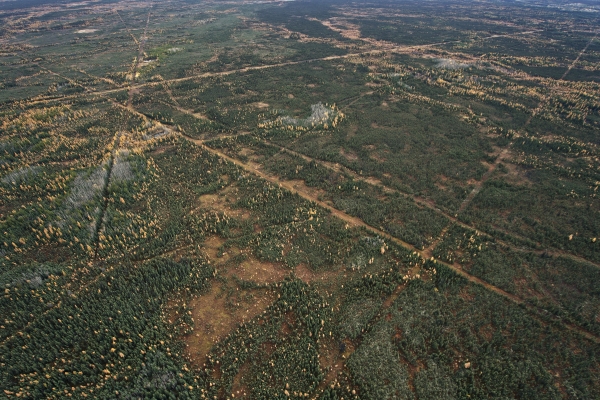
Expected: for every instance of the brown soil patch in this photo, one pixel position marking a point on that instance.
(525, 289)
(349, 155)
(487, 331)
(239, 388)
(267, 348)
(440, 186)
(47, 253)
(212, 245)
(331, 356)
(262, 272)
(440, 182)
(199, 116)
(373, 181)
(214, 318)
(260, 104)
(214, 202)
(377, 157)
(392, 298)
(246, 152)
(221, 202)
(412, 371)
(307, 275)
(397, 334)
(161, 150)
(352, 131)
(329, 351)
(299, 186)
(345, 28)
(516, 175)
(286, 328)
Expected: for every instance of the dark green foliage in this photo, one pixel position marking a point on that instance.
(450, 330)
(76, 335)
(434, 383)
(275, 359)
(294, 17)
(546, 211)
(377, 369)
(568, 285)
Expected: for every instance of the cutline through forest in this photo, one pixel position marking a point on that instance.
(343, 216)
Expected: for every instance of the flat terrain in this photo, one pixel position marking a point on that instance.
(299, 199)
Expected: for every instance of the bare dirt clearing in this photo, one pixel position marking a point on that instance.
(261, 272)
(215, 315)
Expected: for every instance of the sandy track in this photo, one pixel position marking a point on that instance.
(484, 178)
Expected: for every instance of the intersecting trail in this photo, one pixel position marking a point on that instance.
(353, 221)
(452, 218)
(127, 28)
(101, 78)
(357, 222)
(422, 202)
(386, 49)
(302, 193)
(569, 68)
(95, 239)
(502, 155)
(479, 184)
(138, 61)
(484, 178)
(118, 140)
(428, 252)
(173, 99)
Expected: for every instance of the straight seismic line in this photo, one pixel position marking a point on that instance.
(392, 49)
(360, 223)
